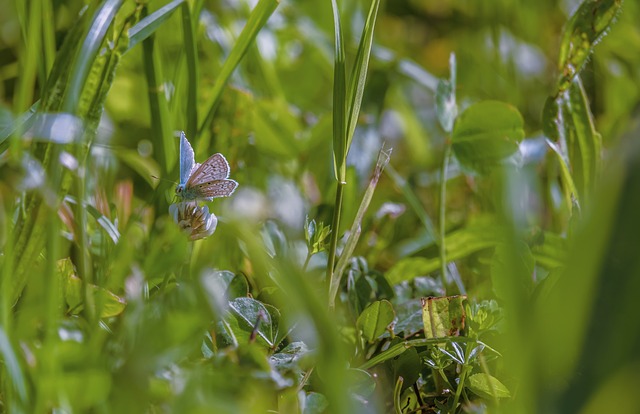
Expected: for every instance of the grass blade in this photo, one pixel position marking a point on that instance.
(360, 69)
(192, 70)
(354, 235)
(88, 51)
(150, 23)
(257, 19)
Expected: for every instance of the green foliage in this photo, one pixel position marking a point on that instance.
(326, 287)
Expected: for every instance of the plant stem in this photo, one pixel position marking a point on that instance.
(335, 230)
(441, 219)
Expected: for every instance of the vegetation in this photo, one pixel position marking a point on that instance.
(435, 209)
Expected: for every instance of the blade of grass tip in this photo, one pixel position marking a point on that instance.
(86, 55)
(192, 70)
(149, 24)
(161, 128)
(339, 137)
(360, 70)
(356, 227)
(257, 19)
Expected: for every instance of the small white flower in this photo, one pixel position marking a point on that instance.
(194, 220)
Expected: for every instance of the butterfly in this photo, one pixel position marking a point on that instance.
(203, 181)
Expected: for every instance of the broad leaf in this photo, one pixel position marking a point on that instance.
(375, 319)
(486, 133)
(444, 316)
(487, 386)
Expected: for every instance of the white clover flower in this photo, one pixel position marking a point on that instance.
(194, 220)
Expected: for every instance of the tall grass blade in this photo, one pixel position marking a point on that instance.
(257, 20)
(149, 24)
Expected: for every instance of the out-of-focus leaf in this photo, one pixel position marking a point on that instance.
(487, 386)
(446, 107)
(550, 120)
(289, 357)
(443, 316)
(476, 236)
(111, 304)
(104, 222)
(257, 19)
(63, 387)
(362, 383)
(486, 133)
(12, 365)
(584, 142)
(570, 190)
(583, 31)
(500, 268)
(147, 168)
(315, 403)
(375, 319)
(275, 129)
(552, 252)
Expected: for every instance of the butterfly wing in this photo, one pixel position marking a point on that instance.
(214, 168)
(216, 188)
(187, 159)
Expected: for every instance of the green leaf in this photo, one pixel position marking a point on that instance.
(486, 133)
(339, 100)
(88, 52)
(443, 316)
(110, 304)
(408, 366)
(375, 319)
(358, 74)
(569, 187)
(584, 142)
(583, 31)
(249, 313)
(477, 236)
(487, 386)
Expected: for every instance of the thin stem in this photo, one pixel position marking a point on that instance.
(335, 230)
(466, 367)
(441, 219)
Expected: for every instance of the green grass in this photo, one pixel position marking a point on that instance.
(431, 216)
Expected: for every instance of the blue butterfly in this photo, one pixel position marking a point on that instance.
(203, 181)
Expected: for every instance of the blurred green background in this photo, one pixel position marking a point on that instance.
(571, 334)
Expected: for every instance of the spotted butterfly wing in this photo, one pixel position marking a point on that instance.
(203, 181)
(187, 159)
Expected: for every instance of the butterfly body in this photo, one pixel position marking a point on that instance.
(203, 181)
